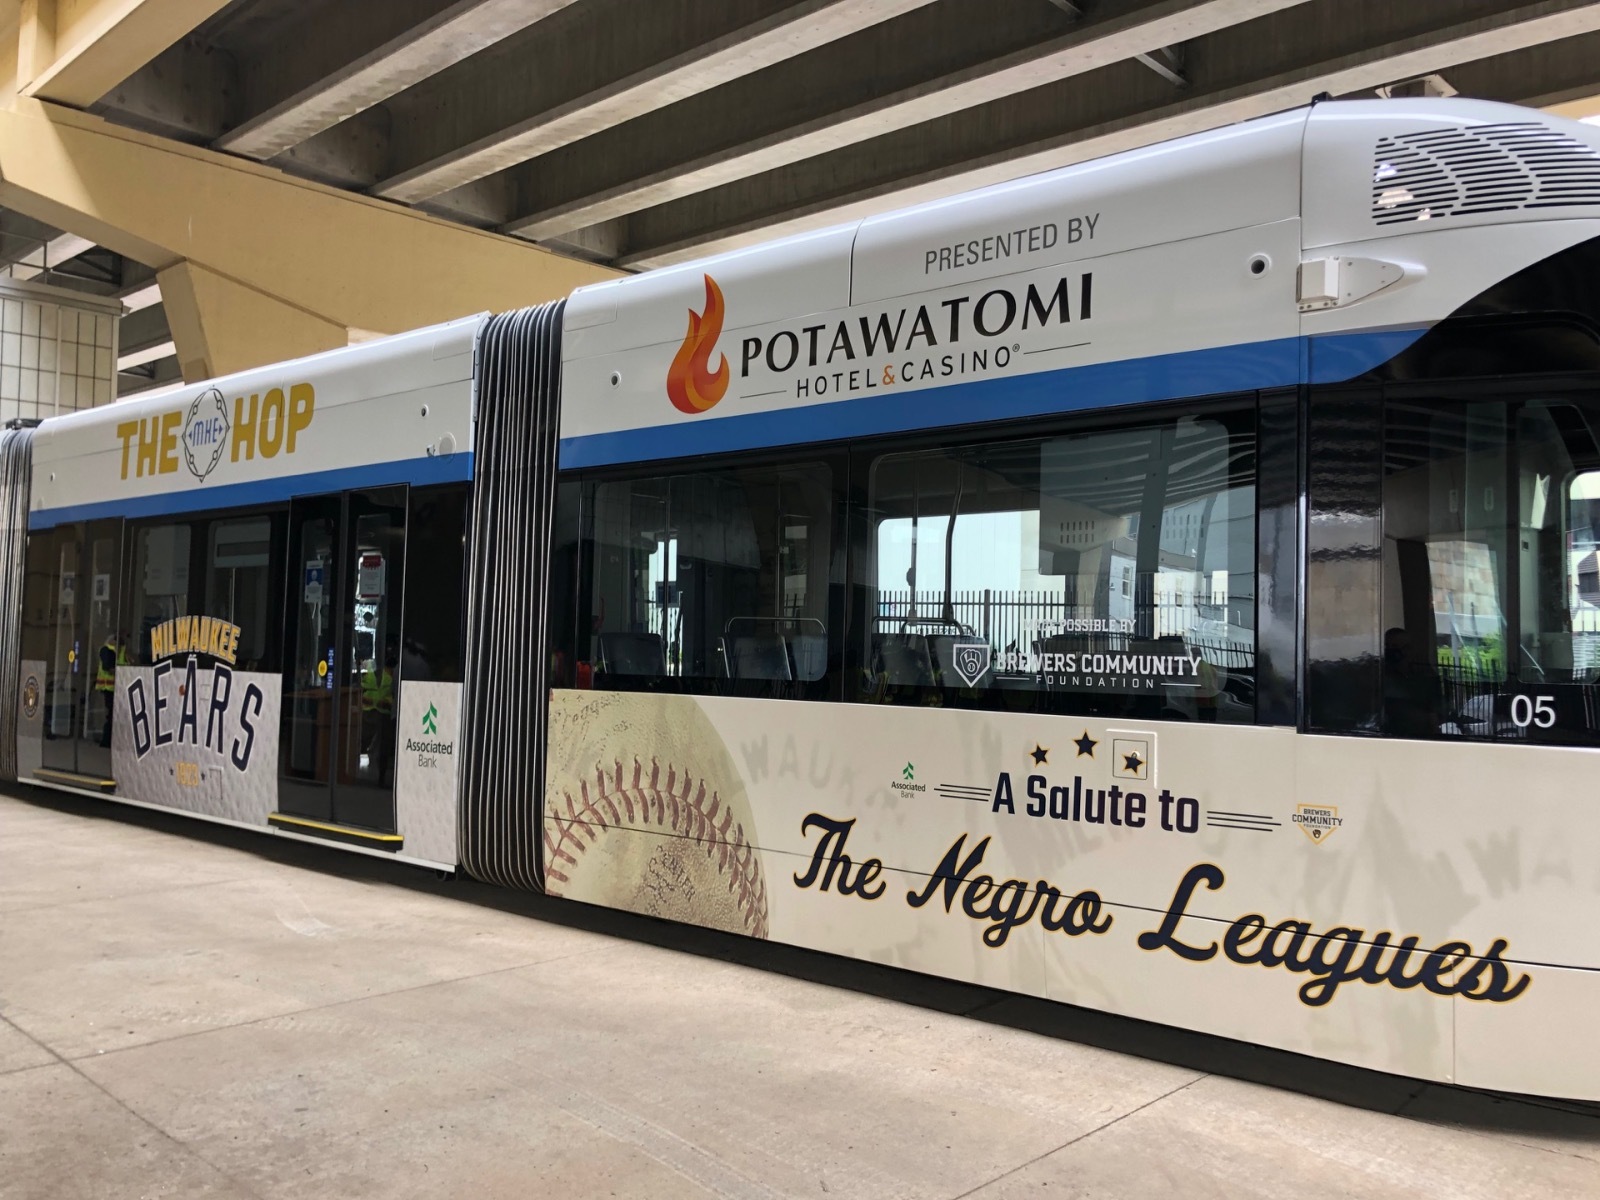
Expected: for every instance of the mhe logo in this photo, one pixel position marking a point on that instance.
(206, 432)
(692, 385)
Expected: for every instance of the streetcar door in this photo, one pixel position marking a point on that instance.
(341, 671)
(85, 645)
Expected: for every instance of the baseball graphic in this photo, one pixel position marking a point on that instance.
(645, 811)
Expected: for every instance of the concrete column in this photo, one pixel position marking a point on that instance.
(219, 326)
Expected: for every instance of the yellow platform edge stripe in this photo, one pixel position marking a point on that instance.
(70, 777)
(346, 830)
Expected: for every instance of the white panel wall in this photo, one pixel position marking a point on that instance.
(58, 351)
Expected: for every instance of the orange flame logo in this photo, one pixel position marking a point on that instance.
(692, 385)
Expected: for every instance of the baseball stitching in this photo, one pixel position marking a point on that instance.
(681, 808)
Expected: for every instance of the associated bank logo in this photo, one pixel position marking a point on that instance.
(692, 385)
(429, 747)
(908, 780)
(205, 432)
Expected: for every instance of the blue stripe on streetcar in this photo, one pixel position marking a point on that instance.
(451, 468)
(1281, 362)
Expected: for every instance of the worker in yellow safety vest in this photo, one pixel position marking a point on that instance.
(112, 655)
(377, 712)
(377, 690)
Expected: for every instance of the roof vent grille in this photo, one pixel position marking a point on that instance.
(1481, 169)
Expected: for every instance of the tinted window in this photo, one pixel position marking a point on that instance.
(1104, 572)
(1491, 609)
(435, 558)
(159, 586)
(714, 580)
(244, 582)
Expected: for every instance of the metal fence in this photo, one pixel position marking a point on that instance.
(1017, 620)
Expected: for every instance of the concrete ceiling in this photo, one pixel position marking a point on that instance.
(645, 132)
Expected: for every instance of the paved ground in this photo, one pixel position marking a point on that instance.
(193, 1011)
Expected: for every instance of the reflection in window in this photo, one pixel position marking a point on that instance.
(160, 580)
(241, 586)
(1491, 626)
(436, 527)
(710, 576)
(1104, 572)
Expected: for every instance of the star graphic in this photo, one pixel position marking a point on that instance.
(1085, 744)
(1039, 754)
(1132, 762)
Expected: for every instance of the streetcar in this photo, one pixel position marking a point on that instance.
(1164, 585)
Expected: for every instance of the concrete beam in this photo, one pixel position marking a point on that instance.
(146, 327)
(153, 377)
(47, 256)
(1552, 75)
(244, 232)
(1273, 63)
(363, 54)
(148, 354)
(141, 297)
(75, 51)
(1167, 62)
(220, 325)
(737, 135)
(21, 235)
(484, 116)
(190, 91)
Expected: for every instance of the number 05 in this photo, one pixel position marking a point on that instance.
(1532, 710)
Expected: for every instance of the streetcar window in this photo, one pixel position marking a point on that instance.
(160, 582)
(244, 579)
(1491, 588)
(713, 580)
(436, 532)
(1105, 572)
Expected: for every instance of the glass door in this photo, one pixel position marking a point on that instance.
(105, 644)
(341, 677)
(309, 674)
(64, 693)
(374, 558)
(85, 649)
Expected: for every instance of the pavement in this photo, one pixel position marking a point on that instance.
(192, 1010)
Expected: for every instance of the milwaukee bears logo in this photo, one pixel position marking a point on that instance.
(692, 385)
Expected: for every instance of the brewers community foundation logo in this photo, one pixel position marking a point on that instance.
(692, 385)
(972, 661)
(1318, 822)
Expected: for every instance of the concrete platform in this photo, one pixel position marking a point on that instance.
(187, 1010)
